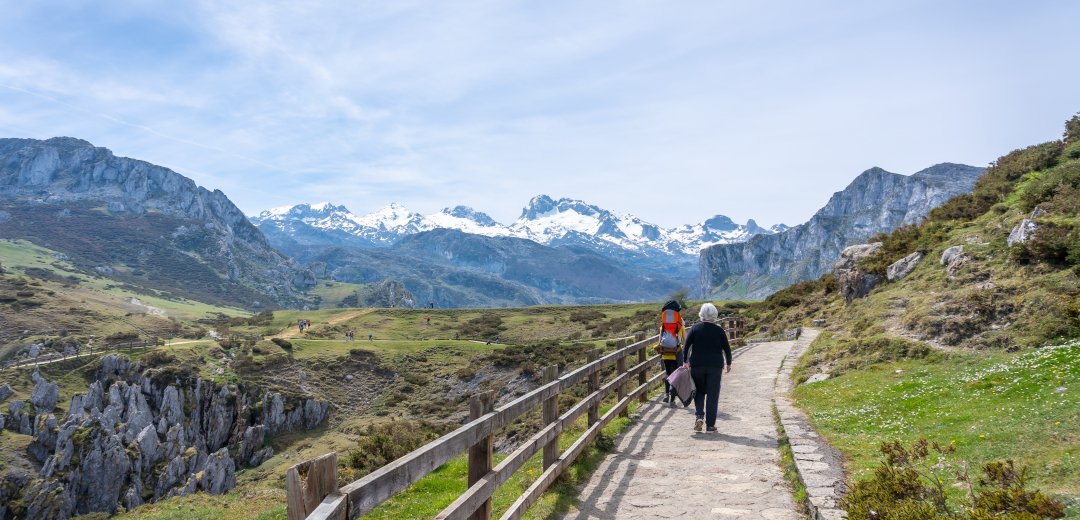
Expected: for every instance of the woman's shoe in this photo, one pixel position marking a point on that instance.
(698, 424)
(711, 429)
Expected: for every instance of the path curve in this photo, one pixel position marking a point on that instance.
(292, 331)
(662, 469)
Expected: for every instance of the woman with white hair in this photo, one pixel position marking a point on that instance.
(708, 356)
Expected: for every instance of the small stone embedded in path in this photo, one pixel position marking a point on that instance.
(661, 468)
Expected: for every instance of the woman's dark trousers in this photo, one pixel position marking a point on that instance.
(707, 397)
(669, 366)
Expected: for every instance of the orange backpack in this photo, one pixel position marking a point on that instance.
(670, 328)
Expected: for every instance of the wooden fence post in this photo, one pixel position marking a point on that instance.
(641, 356)
(308, 483)
(481, 455)
(551, 414)
(620, 369)
(594, 385)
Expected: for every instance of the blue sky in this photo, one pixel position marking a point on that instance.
(672, 111)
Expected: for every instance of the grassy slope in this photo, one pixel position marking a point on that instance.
(969, 359)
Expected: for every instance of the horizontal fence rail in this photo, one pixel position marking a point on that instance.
(310, 498)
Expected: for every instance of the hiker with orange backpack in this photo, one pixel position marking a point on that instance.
(672, 334)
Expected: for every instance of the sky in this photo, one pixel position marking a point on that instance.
(670, 111)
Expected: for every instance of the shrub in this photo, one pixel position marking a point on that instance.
(586, 315)
(157, 358)
(911, 484)
(486, 326)
(383, 443)
(282, 342)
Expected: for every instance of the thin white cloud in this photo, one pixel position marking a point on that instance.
(749, 110)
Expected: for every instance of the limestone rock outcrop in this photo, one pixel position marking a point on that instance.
(135, 437)
(854, 282)
(903, 267)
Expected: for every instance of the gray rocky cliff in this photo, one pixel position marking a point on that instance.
(59, 177)
(137, 436)
(877, 201)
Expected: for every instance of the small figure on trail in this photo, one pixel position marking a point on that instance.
(370, 337)
(708, 356)
(300, 325)
(432, 304)
(798, 332)
(672, 333)
(427, 319)
(348, 335)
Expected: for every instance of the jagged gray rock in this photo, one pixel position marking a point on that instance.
(5, 392)
(855, 283)
(45, 393)
(152, 440)
(949, 254)
(877, 201)
(219, 473)
(1022, 232)
(903, 267)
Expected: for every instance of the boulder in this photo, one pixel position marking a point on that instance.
(1022, 232)
(1026, 228)
(45, 393)
(5, 392)
(950, 254)
(903, 267)
(855, 283)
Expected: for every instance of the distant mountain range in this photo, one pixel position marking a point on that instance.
(877, 201)
(557, 251)
(544, 220)
(148, 227)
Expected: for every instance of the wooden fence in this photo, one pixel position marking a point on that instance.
(312, 488)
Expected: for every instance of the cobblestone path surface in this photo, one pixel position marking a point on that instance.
(661, 468)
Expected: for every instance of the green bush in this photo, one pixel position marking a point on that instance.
(282, 342)
(484, 327)
(913, 484)
(383, 443)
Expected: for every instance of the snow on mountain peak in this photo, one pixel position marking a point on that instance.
(544, 220)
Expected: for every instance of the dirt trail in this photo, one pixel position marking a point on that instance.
(293, 331)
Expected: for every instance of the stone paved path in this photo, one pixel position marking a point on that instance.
(661, 468)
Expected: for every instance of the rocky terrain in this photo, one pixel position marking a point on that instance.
(876, 202)
(141, 224)
(139, 435)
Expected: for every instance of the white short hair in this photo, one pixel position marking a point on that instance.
(708, 312)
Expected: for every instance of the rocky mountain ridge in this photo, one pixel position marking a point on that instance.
(877, 201)
(181, 229)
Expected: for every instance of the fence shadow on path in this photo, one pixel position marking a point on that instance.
(616, 478)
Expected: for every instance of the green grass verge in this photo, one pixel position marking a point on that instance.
(1024, 407)
(787, 464)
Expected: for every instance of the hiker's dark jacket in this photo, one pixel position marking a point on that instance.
(707, 346)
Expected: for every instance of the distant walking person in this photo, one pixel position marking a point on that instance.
(708, 355)
(672, 333)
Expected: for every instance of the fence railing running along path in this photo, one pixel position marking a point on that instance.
(312, 489)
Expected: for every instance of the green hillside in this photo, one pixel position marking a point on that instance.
(982, 352)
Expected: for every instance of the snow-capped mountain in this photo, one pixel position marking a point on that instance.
(543, 220)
